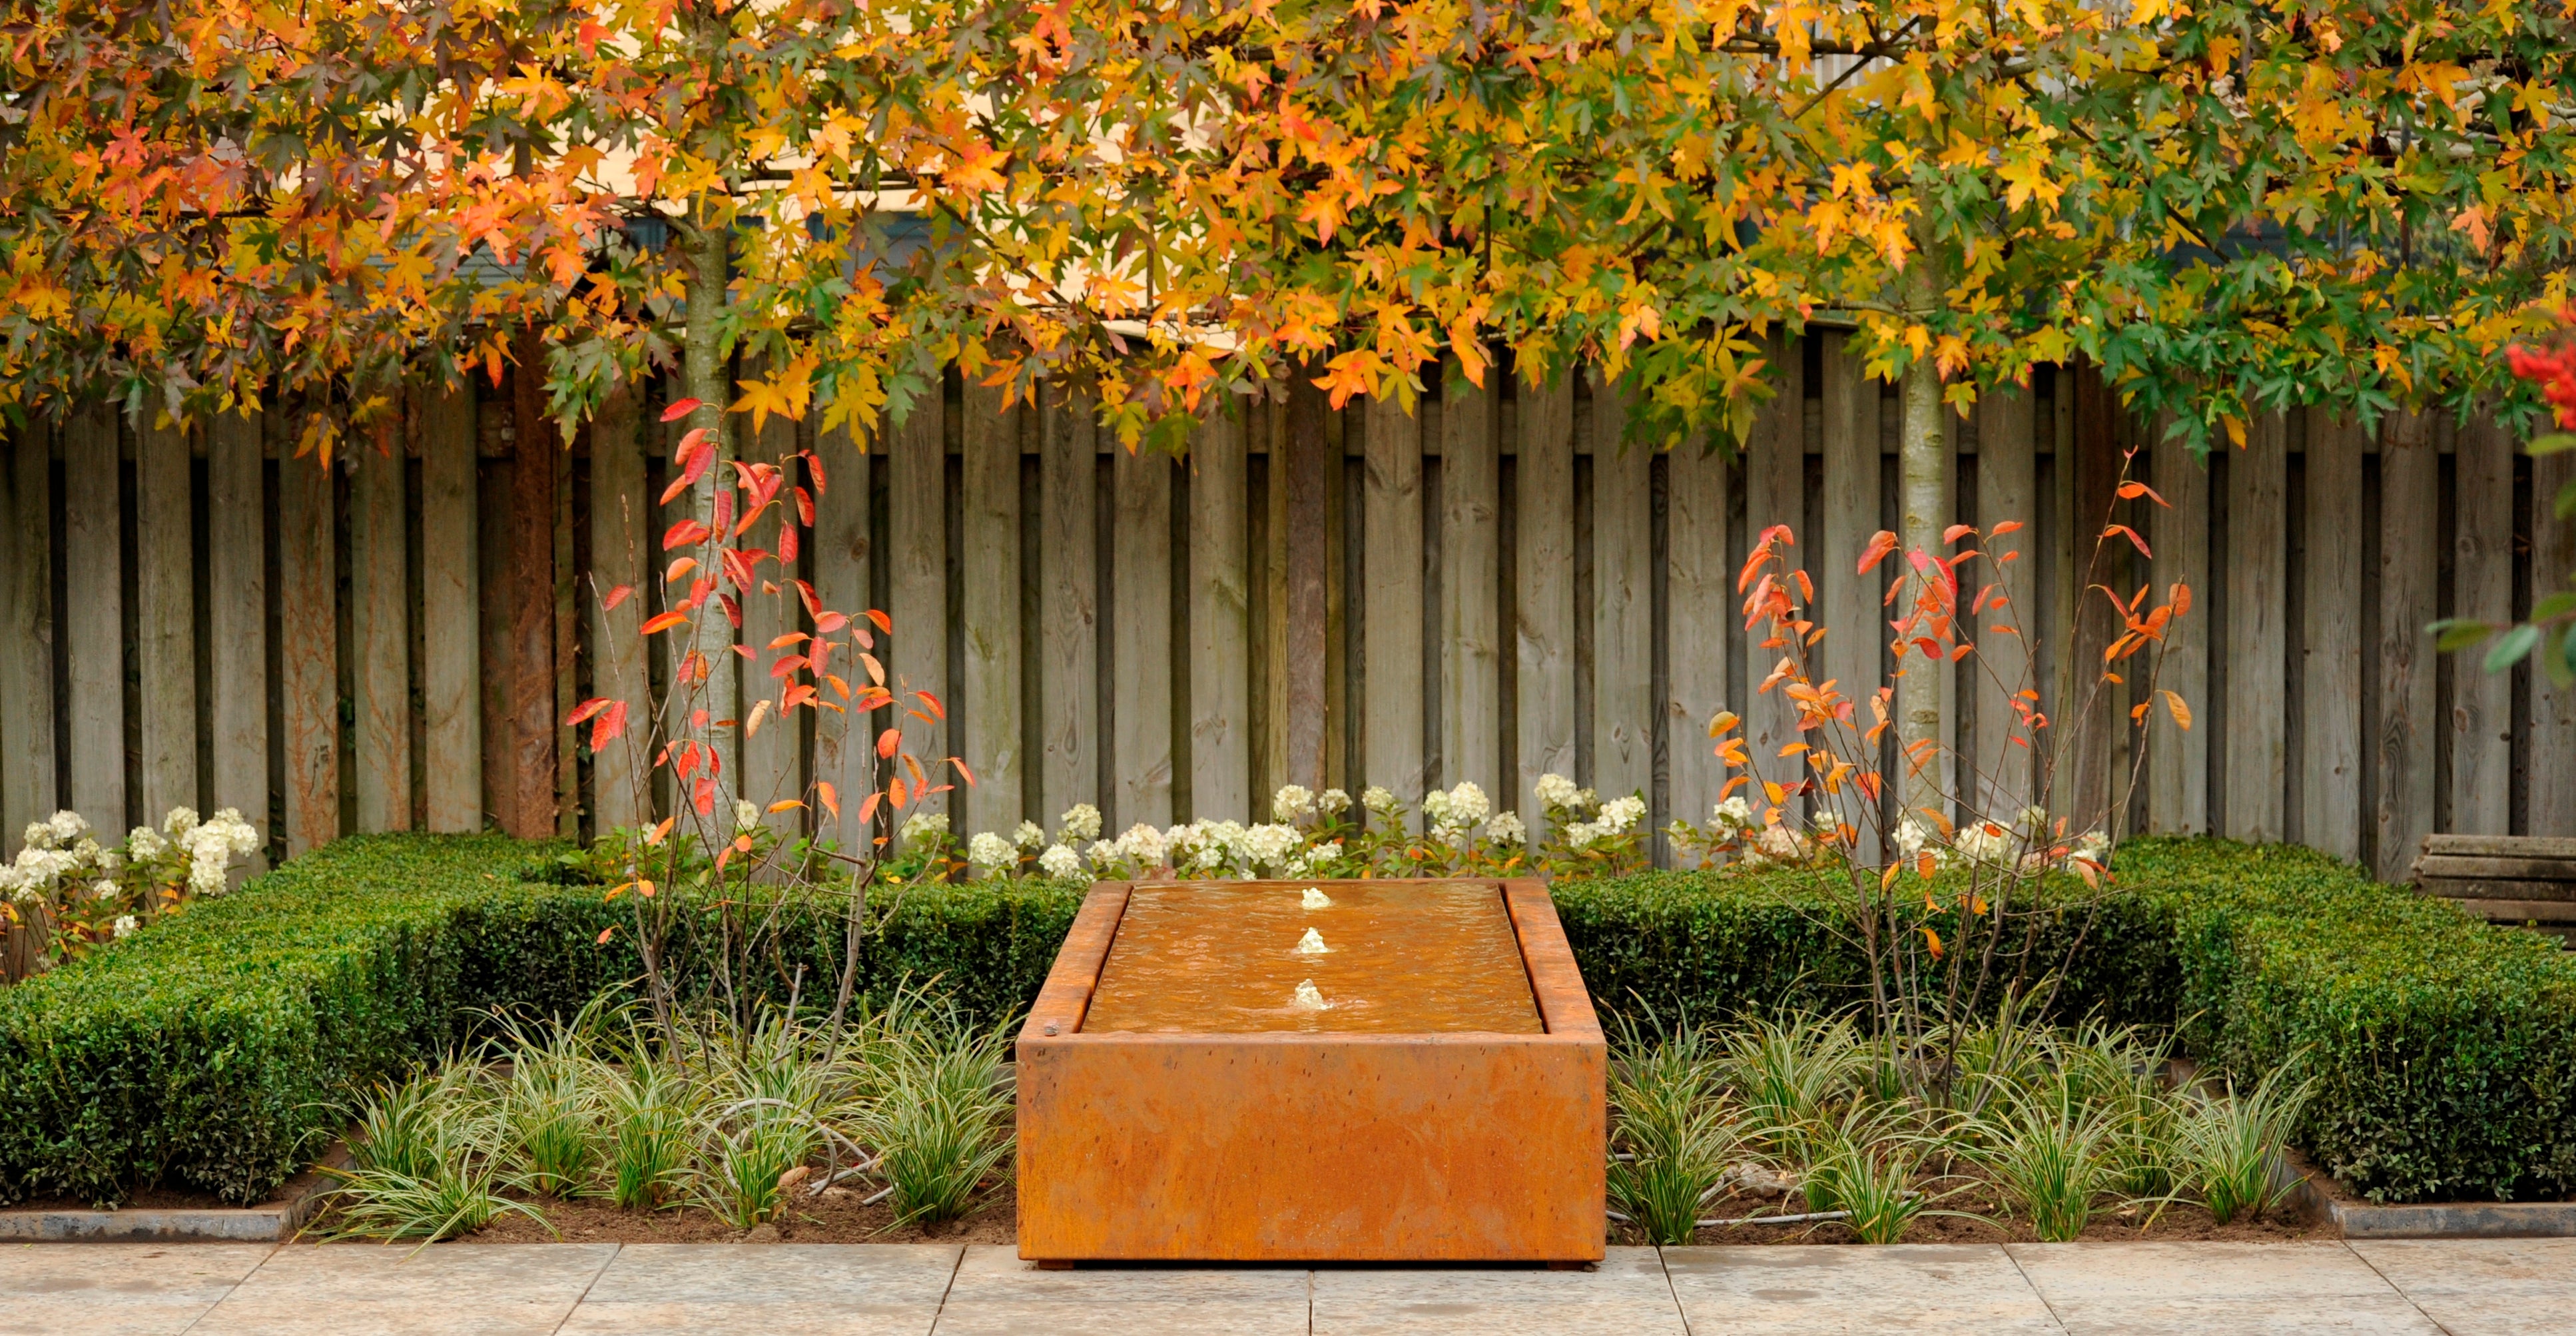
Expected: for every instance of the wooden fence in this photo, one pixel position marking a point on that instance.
(1505, 591)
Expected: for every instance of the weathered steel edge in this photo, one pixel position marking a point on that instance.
(269, 1222)
(2317, 1199)
(1556, 982)
(1066, 994)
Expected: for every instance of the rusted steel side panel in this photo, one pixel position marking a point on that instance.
(1312, 1147)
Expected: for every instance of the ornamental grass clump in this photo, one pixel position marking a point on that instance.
(741, 1121)
(2051, 1154)
(2228, 1145)
(1674, 1133)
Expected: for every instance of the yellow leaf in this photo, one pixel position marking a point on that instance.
(2181, 713)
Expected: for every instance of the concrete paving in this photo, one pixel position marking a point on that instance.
(2498, 1287)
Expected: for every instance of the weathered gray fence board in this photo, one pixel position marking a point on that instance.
(1698, 579)
(1141, 640)
(843, 554)
(1543, 553)
(2481, 721)
(451, 669)
(990, 609)
(93, 616)
(2330, 759)
(1471, 744)
(2409, 579)
(2553, 707)
(2178, 757)
(1391, 634)
(917, 562)
(2006, 493)
(1069, 605)
(165, 640)
(1774, 493)
(1623, 603)
(2258, 646)
(618, 558)
(379, 636)
(27, 653)
(1220, 620)
(1847, 600)
(308, 653)
(237, 617)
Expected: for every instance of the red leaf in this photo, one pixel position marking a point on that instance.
(935, 707)
(804, 507)
(1956, 532)
(2131, 491)
(888, 741)
(884, 623)
(611, 726)
(2132, 535)
(703, 797)
(829, 622)
(679, 409)
(786, 543)
(615, 597)
(585, 710)
(685, 533)
(814, 465)
(2008, 526)
(1881, 544)
(665, 622)
(604, 934)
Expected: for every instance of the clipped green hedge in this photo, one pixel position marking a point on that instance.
(220, 1050)
(2444, 1049)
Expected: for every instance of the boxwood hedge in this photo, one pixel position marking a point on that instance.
(2444, 1049)
(219, 1050)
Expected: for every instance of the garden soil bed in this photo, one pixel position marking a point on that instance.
(2178, 1222)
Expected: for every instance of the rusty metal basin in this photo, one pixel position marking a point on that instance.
(1444, 1102)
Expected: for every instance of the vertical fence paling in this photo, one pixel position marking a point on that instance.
(1153, 712)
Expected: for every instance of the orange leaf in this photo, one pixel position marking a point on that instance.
(830, 797)
(2008, 526)
(2132, 535)
(665, 622)
(1956, 532)
(615, 597)
(2181, 712)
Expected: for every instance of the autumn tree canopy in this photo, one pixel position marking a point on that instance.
(2229, 208)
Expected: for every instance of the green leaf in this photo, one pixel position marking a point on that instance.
(2453, 634)
(2509, 651)
(2552, 443)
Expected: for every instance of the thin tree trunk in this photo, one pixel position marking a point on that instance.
(704, 376)
(1923, 498)
(1308, 417)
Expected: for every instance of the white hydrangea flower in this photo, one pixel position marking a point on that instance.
(1779, 842)
(1143, 844)
(1265, 846)
(2035, 820)
(1080, 824)
(2093, 847)
(239, 835)
(1619, 815)
(1468, 805)
(921, 830)
(1380, 800)
(1582, 834)
(1332, 802)
(1908, 838)
(1060, 861)
(1983, 841)
(13, 885)
(67, 826)
(1307, 861)
(1292, 802)
(992, 852)
(1506, 828)
(1102, 853)
(1029, 836)
(179, 822)
(746, 814)
(1435, 808)
(38, 835)
(126, 924)
(1734, 813)
(143, 842)
(1556, 790)
(102, 890)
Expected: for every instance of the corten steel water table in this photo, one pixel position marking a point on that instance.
(1237, 1071)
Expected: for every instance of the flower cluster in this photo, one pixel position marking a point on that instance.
(1587, 833)
(80, 892)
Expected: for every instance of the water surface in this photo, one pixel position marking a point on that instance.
(1222, 958)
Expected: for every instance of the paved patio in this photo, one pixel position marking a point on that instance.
(2482, 1287)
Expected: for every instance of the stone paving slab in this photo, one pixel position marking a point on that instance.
(2281, 1289)
(1626, 1294)
(1752, 1289)
(725, 1289)
(374, 1289)
(997, 1294)
(117, 1289)
(2483, 1287)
